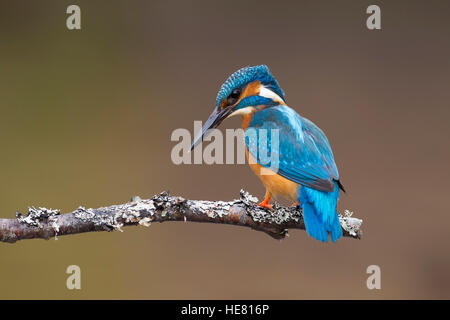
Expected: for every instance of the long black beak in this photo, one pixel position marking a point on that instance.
(216, 118)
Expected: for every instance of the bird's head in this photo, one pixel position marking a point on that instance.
(240, 94)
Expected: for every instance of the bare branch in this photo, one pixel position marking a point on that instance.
(46, 223)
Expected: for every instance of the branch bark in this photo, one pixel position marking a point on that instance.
(46, 223)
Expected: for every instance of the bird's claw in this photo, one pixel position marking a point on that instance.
(265, 205)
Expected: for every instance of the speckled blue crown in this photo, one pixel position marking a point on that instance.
(246, 75)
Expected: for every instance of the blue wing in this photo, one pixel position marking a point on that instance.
(304, 153)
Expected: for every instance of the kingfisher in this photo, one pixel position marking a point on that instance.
(306, 172)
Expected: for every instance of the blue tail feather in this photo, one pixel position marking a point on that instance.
(319, 213)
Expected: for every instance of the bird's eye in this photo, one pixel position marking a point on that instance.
(233, 97)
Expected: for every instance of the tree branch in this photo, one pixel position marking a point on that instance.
(46, 223)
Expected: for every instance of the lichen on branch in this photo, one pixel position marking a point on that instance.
(46, 223)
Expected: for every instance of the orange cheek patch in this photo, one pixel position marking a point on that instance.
(252, 89)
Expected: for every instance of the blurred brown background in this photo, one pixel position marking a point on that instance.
(86, 118)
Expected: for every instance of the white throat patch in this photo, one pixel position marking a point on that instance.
(242, 112)
(267, 93)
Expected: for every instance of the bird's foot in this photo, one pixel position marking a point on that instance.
(265, 204)
(295, 204)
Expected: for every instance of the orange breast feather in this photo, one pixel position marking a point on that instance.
(274, 183)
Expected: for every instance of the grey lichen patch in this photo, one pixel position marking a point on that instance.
(210, 208)
(286, 214)
(98, 217)
(167, 205)
(350, 224)
(35, 217)
(161, 199)
(279, 215)
(84, 214)
(135, 199)
(163, 207)
(136, 211)
(146, 222)
(247, 199)
(53, 221)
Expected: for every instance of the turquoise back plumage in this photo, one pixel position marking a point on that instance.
(305, 157)
(304, 152)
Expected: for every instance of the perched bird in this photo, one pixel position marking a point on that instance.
(306, 171)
